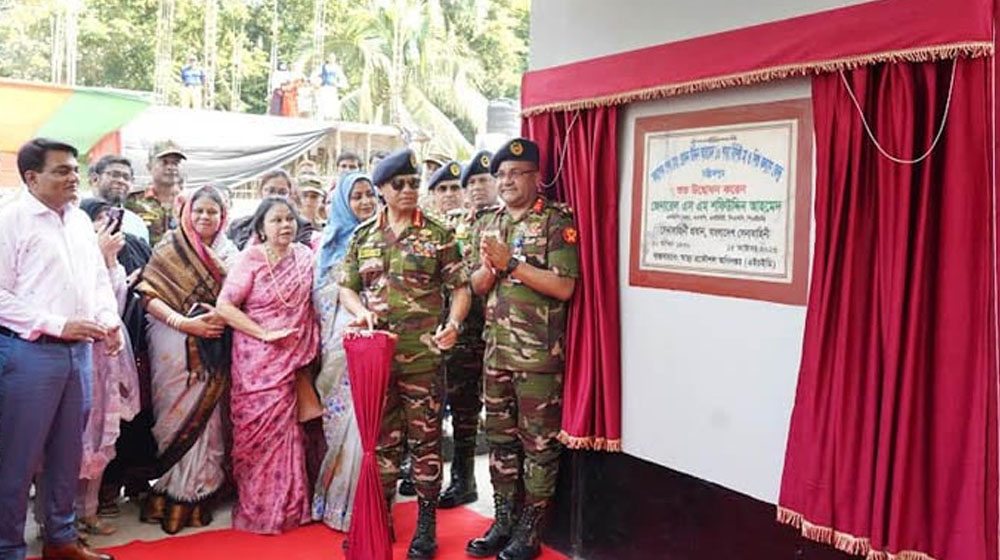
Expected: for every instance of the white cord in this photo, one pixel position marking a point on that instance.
(562, 154)
(864, 121)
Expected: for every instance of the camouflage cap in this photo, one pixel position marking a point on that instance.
(311, 183)
(436, 157)
(165, 148)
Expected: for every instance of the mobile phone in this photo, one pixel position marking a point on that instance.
(115, 216)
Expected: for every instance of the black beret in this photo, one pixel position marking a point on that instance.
(479, 164)
(447, 172)
(518, 149)
(400, 162)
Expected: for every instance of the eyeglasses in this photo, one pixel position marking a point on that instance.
(513, 174)
(454, 187)
(398, 184)
(122, 175)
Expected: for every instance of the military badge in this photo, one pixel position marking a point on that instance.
(369, 252)
(455, 169)
(413, 159)
(485, 161)
(516, 148)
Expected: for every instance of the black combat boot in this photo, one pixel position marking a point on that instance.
(406, 487)
(424, 544)
(526, 543)
(499, 533)
(462, 489)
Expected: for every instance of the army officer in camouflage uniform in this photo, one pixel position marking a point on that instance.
(464, 364)
(397, 271)
(528, 270)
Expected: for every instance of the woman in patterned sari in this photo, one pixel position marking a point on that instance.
(266, 300)
(352, 202)
(189, 361)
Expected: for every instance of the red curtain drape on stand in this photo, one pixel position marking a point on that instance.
(369, 359)
(585, 145)
(890, 437)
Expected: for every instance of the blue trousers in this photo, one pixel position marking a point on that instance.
(43, 404)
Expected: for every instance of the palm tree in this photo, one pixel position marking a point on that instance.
(415, 72)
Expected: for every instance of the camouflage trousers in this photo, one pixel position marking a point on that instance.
(464, 375)
(523, 417)
(412, 412)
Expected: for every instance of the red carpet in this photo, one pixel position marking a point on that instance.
(313, 542)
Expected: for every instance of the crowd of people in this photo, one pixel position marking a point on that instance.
(294, 93)
(150, 344)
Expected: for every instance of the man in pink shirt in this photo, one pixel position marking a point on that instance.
(55, 300)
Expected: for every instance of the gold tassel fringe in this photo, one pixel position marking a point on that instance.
(858, 546)
(590, 443)
(975, 49)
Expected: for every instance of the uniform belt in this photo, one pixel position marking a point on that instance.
(43, 339)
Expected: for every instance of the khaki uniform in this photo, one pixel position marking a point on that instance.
(403, 281)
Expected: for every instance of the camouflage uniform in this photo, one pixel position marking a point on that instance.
(402, 280)
(158, 218)
(464, 363)
(524, 360)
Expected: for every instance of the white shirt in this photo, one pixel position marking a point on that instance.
(51, 270)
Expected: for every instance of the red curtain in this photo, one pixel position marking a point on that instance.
(369, 359)
(817, 42)
(579, 150)
(891, 440)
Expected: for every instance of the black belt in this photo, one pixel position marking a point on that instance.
(43, 339)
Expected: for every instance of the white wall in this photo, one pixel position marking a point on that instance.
(708, 381)
(564, 31)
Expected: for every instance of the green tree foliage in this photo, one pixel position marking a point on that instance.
(426, 64)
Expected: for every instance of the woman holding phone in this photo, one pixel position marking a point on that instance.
(189, 360)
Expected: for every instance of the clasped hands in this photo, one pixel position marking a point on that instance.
(493, 253)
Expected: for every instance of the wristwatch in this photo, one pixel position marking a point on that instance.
(512, 263)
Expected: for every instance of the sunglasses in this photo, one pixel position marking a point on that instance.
(398, 184)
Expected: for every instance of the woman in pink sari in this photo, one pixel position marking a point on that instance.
(266, 299)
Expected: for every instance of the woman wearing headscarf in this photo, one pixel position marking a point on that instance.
(352, 202)
(189, 357)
